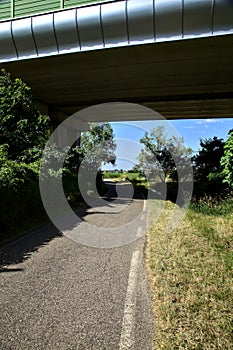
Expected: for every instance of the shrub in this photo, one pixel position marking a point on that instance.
(19, 192)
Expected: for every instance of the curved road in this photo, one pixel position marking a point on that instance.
(57, 294)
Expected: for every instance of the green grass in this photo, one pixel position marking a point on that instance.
(191, 277)
(135, 178)
(215, 206)
(112, 175)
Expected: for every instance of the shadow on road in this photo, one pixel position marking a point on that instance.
(21, 249)
(8, 269)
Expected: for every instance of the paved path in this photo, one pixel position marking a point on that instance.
(57, 294)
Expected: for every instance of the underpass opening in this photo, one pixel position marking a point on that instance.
(63, 216)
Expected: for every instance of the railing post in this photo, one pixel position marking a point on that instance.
(12, 8)
(62, 3)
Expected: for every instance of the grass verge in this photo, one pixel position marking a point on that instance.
(191, 278)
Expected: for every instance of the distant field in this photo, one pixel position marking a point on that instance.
(122, 175)
(191, 277)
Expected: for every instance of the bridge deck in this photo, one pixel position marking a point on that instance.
(180, 79)
(173, 56)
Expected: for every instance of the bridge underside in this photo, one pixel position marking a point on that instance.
(180, 79)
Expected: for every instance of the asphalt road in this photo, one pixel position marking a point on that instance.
(57, 294)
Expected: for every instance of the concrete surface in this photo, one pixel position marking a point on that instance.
(180, 79)
(57, 294)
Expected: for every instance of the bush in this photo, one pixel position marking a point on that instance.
(22, 126)
(19, 192)
(227, 161)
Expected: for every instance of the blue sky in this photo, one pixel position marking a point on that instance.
(128, 134)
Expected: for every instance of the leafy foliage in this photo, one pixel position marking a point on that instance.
(227, 160)
(23, 133)
(60, 163)
(19, 192)
(15, 174)
(163, 155)
(207, 162)
(97, 146)
(22, 127)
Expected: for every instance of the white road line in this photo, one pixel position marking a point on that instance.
(127, 335)
(144, 205)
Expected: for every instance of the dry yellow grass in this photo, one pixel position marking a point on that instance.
(191, 279)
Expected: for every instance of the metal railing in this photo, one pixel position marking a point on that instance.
(21, 8)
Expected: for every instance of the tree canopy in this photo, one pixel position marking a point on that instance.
(99, 136)
(162, 155)
(206, 162)
(96, 145)
(227, 160)
(23, 135)
(22, 127)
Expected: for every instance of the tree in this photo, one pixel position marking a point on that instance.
(22, 127)
(163, 155)
(99, 141)
(207, 161)
(135, 169)
(97, 146)
(227, 160)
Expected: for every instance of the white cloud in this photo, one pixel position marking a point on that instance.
(211, 121)
(188, 127)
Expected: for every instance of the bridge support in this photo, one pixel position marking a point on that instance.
(71, 128)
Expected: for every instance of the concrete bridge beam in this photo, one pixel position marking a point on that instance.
(71, 128)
